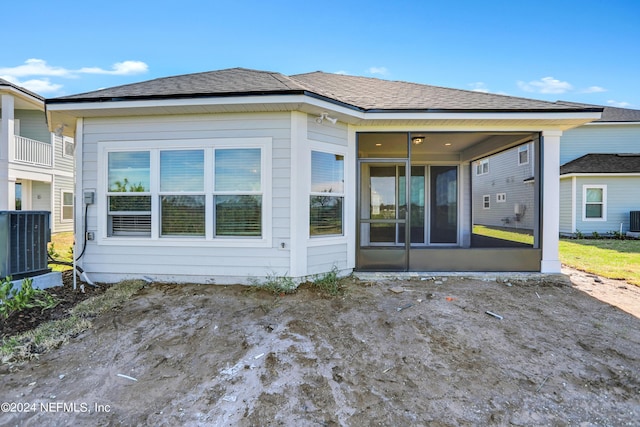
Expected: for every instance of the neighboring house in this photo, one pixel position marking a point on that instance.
(503, 189)
(36, 166)
(599, 178)
(600, 174)
(230, 175)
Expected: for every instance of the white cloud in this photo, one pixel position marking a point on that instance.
(39, 67)
(342, 72)
(479, 87)
(378, 70)
(119, 69)
(39, 86)
(594, 89)
(619, 104)
(545, 85)
(35, 67)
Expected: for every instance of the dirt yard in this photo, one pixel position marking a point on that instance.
(392, 353)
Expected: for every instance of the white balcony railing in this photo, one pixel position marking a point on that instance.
(33, 152)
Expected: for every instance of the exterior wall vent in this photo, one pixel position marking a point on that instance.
(634, 221)
(24, 236)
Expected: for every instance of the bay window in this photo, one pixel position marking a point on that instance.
(207, 193)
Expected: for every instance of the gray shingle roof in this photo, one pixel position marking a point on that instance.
(610, 114)
(227, 82)
(361, 93)
(603, 163)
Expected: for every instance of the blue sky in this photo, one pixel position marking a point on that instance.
(578, 50)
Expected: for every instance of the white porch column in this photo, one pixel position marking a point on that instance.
(6, 138)
(550, 201)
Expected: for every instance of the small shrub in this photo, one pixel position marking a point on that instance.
(329, 282)
(13, 300)
(579, 235)
(618, 235)
(279, 285)
(595, 235)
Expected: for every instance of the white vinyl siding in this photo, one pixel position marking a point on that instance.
(327, 252)
(229, 259)
(599, 138)
(622, 196)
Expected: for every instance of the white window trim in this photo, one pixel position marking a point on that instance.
(64, 140)
(325, 194)
(62, 205)
(585, 187)
(486, 200)
(264, 143)
(329, 238)
(520, 150)
(480, 164)
(501, 197)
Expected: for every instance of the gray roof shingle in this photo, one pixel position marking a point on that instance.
(610, 114)
(603, 163)
(361, 93)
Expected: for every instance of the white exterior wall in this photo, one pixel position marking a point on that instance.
(566, 203)
(325, 253)
(599, 138)
(183, 259)
(622, 196)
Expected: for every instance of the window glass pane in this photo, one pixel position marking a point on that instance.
(327, 172)
(594, 195)
(237, 169)
(67, 212)
(67, 199)
(325, 215)
(238, 215)
(182, 215)
(129, 171)
(444, 204)
(129, 203)
(593, 211)
(182, 170)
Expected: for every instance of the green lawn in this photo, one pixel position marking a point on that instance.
(611, 258)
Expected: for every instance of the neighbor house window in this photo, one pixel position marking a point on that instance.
(482, 167)
(523, 154)
(129, 193)
(501, 197)
(486, 201)
(68, 147)
(182, 199)
(66, 206)
(327, 194)
(594, 202)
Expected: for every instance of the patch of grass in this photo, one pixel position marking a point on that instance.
(504, 234)
(53, 334)
(611, 258)
(279, 285)
(329, 282)
(61, 248)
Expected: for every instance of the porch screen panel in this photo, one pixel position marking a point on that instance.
(444, 204)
